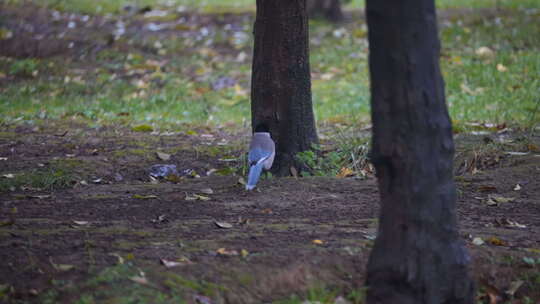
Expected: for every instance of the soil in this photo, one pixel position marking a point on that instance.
(286, 237)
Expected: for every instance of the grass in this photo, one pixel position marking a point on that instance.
(116, 6)
(41, 179)
(131, 88)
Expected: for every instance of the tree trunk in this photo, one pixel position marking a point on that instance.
(281, 80)
(418, 256)
(328, 9)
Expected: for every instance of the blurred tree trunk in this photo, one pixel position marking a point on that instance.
(281, 80)
(328, 9)
(418, 256)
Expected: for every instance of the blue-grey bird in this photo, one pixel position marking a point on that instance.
(261, 155)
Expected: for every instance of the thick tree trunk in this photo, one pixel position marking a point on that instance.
(328, 9)
(418, 256)
(281, 83)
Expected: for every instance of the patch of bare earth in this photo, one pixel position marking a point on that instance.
(286, 237)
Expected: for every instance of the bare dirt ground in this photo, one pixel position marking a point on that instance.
(289, 236)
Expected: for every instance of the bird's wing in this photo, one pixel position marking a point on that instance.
(261, 149)
(258, 155)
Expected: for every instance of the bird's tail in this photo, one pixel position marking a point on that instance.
(254, 174)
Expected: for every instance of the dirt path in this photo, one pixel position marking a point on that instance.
(93, 240)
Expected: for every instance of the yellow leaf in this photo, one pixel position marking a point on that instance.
(224, 251)
(456, 60)
(244, 253)
(238, 90)
(318, 242)
(345, 172)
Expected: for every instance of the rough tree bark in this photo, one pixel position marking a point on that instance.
(418, 256)
(281, 80)
(328, 9)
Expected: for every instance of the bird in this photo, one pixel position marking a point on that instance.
(261, 154)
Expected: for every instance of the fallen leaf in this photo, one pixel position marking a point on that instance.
(345, 172)
(241, 181)
(514, 286)
(484, 52)
(160, 219)
(44, 196)
(294, 172)
(244, 253)
(138, 196)
(496, 241)
(533, 148)
(242, 221)
(501, 68)
(170, 264)
(223, 225)
(140, 280)
(509, 223)
(226, 252)
(120, 259)
(267, 211)
(81, 223)
(487, 188)
(163, 156)
(517, 187)
(516, 153)
(500, 199)
(207, 191)
(61, 267)
(478, 241)
(202, 299)
(370, 237)
(195, 197)
(318, 242)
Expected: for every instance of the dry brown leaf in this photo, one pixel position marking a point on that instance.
(496, 241)
(487, 188)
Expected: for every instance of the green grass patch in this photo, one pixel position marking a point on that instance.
(128, 88)
(48, 179)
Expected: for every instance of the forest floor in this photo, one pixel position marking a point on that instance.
(84, 222)
(89, 103)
